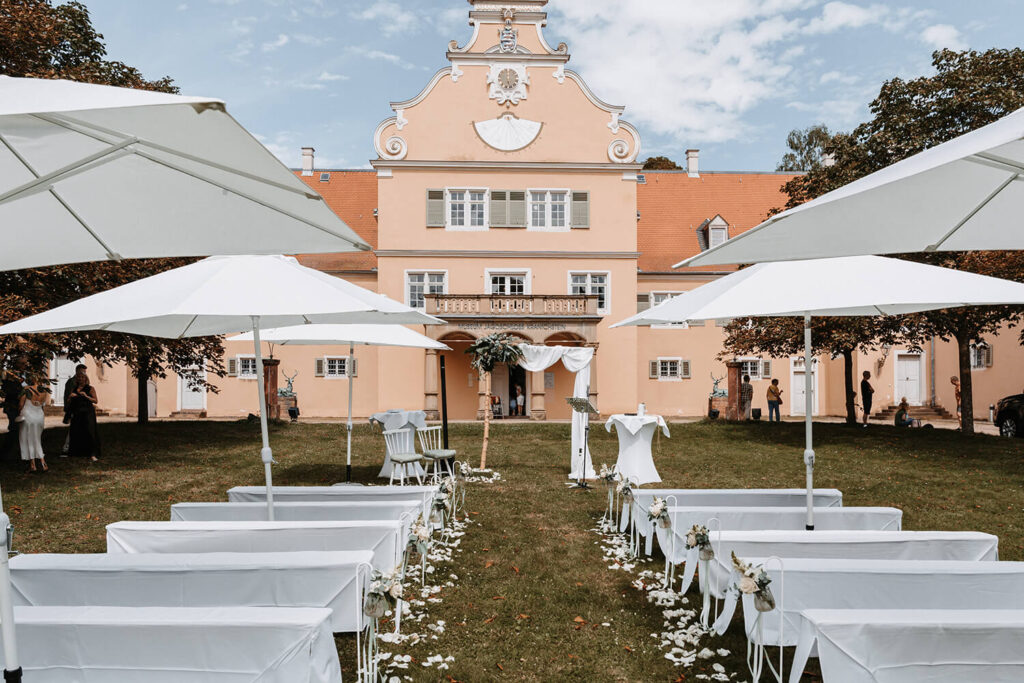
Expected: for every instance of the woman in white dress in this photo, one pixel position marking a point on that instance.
(32, 418)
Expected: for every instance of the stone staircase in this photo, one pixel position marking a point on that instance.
(925, 413)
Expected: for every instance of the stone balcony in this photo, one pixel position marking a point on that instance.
(461, 306)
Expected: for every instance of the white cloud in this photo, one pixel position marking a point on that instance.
(939, 36)
(286, 145)
(182, 7)
(381, 56)
(838, 77)
(279, 42)
(307, 39)
(392, 19)
(328, 76)
(836, 16)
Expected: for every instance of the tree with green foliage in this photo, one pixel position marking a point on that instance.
(967, 90)
(661, 164)
(487, 352)
(40, 39)
(806, 149)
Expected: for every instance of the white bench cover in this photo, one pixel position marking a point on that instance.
(176, 645)
(777, 518)
(405, 511)
(330, 580)
(910, 646)
(338, 492)
(383, 538)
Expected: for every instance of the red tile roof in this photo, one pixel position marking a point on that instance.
(673, 205)
(353, 196)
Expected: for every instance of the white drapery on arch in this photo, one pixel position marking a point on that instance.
(575, 359)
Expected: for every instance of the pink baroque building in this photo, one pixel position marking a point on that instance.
(507, 196)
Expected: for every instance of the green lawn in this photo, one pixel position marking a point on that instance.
(531, 564)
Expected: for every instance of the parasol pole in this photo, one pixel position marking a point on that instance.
(348, 449)
(266, 454)
(809, 420)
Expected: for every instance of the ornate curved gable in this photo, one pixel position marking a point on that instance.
(507, 96)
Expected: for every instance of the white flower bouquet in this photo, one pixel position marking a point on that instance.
(754, 581)
(699, 537)
(383, 594)
(658, 512)
(419, 537)
(625, 489)
(609, 475)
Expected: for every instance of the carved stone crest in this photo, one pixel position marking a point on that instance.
(508, 37)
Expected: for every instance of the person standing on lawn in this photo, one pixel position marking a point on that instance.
(69, 388)
(746, 397)
(774, 401)
(867, 393)
(85, 438)
(955, 381)
(11, 386)
(33, 420)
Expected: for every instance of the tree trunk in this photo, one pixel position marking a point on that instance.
(143, 390)
(966, 385)
(487, 419)
(851, 395)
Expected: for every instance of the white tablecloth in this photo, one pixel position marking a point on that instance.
(777, 518)
(384, 539)
(813, 583)
(853, 545)
(303, 579)
(636, 433)
(176, 645)
(911, 646)
(405, 511)
(336, 493)
(823, 498)
(400, 419)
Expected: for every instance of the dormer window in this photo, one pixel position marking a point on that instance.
(713, 232)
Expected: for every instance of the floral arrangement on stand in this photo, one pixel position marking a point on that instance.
(439, 511)
(625, 489)
(658, 513)
(754, 581)
(383, 596)
(611, 478)
(419, 542)
(699, 538)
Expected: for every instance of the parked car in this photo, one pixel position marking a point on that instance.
(1010, 416)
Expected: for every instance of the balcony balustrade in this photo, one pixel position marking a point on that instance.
(523, 306)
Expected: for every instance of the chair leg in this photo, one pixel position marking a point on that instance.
(391, 481)
(416, 471)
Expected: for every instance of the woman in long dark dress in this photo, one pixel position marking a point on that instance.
(85, 437)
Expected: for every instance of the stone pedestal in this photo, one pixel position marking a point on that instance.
(271, 366)
(735, 379)
(286, 402)
(721, 404)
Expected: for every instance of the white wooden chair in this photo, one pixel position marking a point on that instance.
(436, 455)
(401, 448)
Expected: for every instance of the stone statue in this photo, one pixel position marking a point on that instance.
(715, 392)
(288, 391)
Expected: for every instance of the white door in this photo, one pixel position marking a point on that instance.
(797, 399)
(61, 369)
(151, 400)
(190, 397)
(908, 378)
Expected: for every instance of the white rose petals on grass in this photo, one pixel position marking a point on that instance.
(682, 635)
(417, 627)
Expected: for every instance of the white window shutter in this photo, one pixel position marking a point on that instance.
(517, 209)
(435, 209)
(654, 369)
(319, 370)
(988, 355)
(232, 367)
(499, 208)
(684, 369)
(766, 369)
(352, 371)
(643, 302)
(580, 210)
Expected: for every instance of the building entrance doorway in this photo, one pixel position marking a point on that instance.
(504, 381)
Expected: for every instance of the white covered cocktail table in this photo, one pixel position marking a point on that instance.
(331, 580)
(409, 420)
(176, 645)
(383, 538)
(776, 518)
(910, 646)
(864, 545)
(636, 433)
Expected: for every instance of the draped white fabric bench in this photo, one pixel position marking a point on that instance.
(176, 645)
(331, 580)
(383, 538)
(777, 518)
(336, 493)
(909, 646)
(406, 511)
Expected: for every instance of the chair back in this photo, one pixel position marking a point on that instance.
(431, 438)
(399, 441)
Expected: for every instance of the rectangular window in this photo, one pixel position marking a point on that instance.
(508, 284)
(457, 209)
(246, 367)
(756, 368)
(549, 209)
(591, 284)
(719, 236)
(981, 356)
(477, 209)
(660, 298)
(467, 209)
(668, 369)
(336, 367)
(558, 209)
(538, 210)
(419, 285)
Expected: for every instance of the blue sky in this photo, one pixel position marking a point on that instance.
(730, 77)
